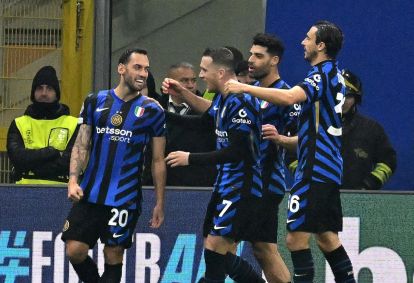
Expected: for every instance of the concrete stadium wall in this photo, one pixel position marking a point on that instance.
(178, 30)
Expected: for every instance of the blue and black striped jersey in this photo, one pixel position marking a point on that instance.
(285, 119)
(320, 126)
(120, 133)
(238, 112)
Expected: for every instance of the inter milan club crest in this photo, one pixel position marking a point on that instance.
(139, 111)
(264, 104)
(116, 119)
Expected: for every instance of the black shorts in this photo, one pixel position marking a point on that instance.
(314, 207)
(88, 222)
(231, 216)
(267, 219)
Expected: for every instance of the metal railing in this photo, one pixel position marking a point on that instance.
(30, 37)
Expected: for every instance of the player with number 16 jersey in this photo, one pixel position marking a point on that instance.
(319, 143)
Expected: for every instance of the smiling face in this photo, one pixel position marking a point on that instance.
(135, 72)
(208, 73)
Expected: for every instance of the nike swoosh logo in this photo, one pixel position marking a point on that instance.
(115, 235)
(215, 108)
(101, 109)
(291, 220)
(219, 227)
(300, 275)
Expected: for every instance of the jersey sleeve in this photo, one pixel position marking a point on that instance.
(86, 112)
(241, 115)
(211, 111)
(313, 86)
(158, 127)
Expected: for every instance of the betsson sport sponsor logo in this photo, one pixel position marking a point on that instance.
(221, 136)
(118, 135)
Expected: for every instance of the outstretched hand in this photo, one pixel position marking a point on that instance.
(177, 158)
(233, 86)
(172, 87)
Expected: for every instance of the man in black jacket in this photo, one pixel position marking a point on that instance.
(369, 158)
(39, 143)
(180, 138)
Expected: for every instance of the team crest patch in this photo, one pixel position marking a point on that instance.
(66, 226)
(264, 104)
(139, 111)
(116, 119)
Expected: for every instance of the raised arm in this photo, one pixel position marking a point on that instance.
(273, 95)
(197, 103)
(78, 159)
(159, 174)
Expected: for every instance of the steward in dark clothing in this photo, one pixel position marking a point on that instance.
(191, 139)
(368, 156)
(40, 142)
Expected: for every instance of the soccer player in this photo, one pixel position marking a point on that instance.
(238, 188)
(116, 126)
(314, 202)
(265, 55)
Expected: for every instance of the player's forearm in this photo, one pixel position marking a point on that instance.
(290, 143)
(80, 153)
(197, 103)
(77, 162)
(159, 176)
(275, 96)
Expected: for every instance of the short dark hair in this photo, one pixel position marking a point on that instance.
(238, 56)
(224, 57)
(274, 44)
(207, 52)
(331, 35)
(124, 59)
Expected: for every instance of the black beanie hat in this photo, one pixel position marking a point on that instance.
(46, 76)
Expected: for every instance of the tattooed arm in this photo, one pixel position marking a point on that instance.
(80, 153)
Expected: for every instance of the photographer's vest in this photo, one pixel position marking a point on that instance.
(38, 134)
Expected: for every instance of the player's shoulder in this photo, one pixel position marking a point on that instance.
(96, 96)
(150, 104)
(242, 100)
(241, 97)
(282, 85)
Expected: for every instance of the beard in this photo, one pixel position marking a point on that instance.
(130, 83)
(311, 56)
(260, 73)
